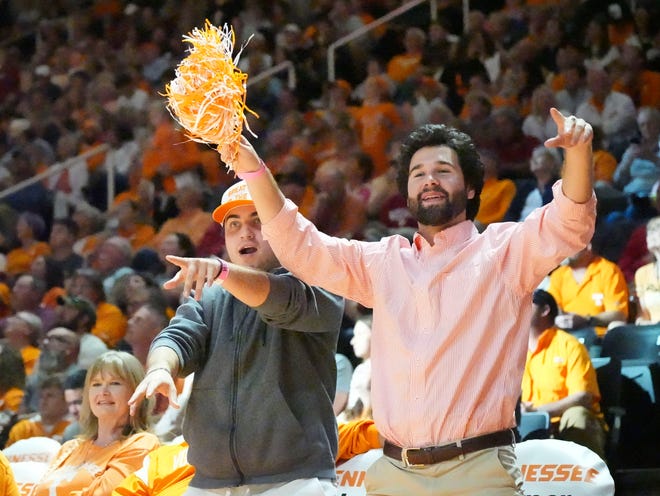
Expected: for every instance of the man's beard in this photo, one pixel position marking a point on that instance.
(438, 215)
(51, 361)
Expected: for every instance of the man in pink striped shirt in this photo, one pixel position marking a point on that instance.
(450, 309)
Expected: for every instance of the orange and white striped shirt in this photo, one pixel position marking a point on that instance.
(449, 335)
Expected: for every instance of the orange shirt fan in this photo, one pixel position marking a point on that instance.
(207, 96)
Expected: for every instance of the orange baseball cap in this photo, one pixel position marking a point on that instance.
(237, 195)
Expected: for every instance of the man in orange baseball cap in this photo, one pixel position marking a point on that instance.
(262, 347)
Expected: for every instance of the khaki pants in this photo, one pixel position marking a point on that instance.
(300, 487)
(582, 426)
(490, 472)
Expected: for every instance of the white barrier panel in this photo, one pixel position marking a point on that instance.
(549, 467)
(32, 449)
(350, 474)
(29, 458)
(27, 474)
(553, 467)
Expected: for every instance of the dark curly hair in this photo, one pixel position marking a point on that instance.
(461, 143)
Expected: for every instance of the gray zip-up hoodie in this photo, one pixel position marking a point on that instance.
(260, 410)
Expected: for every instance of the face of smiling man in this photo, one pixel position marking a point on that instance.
(244, 242)
(437, 195)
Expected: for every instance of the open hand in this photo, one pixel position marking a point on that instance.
(157, 381)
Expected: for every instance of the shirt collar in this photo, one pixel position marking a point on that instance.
(454, 235)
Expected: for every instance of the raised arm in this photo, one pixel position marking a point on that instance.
(574, 135)
(265, 192)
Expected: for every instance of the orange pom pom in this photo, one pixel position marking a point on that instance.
(207, 96)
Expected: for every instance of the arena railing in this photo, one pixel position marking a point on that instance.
(332, 49)
(287, 66)
(59, 167)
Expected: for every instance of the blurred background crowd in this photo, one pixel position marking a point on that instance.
(82, 249)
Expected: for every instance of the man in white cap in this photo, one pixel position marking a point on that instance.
(261, 344)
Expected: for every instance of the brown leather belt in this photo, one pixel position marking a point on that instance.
(412, 457)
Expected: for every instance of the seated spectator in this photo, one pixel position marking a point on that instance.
(604, 162)
(560, 379)
(59, 356)
(74, 384)
(378, 120)
(90, 222)
(336, 210)
(12, 389)
(63, 235)
(589, 291)
(404, 65)
(112, 259)
(647, 278)
(192, 220)
(168, 156)
(78, 314)
(478, 120)
(26, 295)
(22, 331)
(112, 444)
(600, 51)
(131, 291)
(51, 418)
(635, 79)
(177, 244)
(634, 253)
(46, 269)
(639, 167)
(110, 323)
(359, 397)
(143, 326)
(294, 183)
(126, 220)
(387, 210)
(538, 123)
(534, 193)
(496, 195)
(514, 148)
(429, 105)
(612, 111)
(574, 92)
(30, 230)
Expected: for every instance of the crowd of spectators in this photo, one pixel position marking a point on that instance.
(81, 82)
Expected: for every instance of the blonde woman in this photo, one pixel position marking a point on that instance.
(112, 444)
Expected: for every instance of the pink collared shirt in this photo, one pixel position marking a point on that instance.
(450, 321)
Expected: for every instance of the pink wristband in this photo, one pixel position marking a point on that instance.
(253, 174)
(224, 271)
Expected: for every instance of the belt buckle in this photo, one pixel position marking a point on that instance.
(404, 458)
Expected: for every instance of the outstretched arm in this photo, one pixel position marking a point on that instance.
(574, 135)
(249, 285)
